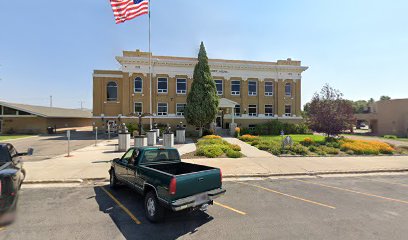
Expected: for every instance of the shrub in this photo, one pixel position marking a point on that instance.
(235, 147)
(264, 146)
(333, 144)
(390, 136)
(299, 149)
(329, 150)
(275, 150)
(233, 154)
(313, 148)
(307, 142)
(211, 137)
(248, 138)
(208, 132)
(366, 147)
(210, 151)
(132, 127)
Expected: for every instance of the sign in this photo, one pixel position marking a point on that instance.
(69, 134)
(287, 141)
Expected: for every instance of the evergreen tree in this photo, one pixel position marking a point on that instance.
(202, 100)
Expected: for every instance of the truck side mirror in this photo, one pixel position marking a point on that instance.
(30, 151)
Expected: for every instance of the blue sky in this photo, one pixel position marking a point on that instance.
(52, 47)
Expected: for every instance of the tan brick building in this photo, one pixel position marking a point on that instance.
(251, 92)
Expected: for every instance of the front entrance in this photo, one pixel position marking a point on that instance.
(219, 122)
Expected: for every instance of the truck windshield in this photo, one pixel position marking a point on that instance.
(4, 155)
(160, 155)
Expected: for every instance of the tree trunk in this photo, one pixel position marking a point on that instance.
(200, 132)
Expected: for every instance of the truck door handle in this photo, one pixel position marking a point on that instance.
(200, 179)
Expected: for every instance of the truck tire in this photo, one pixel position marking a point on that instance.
(153, 210)
(113, 181)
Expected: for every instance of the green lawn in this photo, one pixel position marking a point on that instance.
(10, 137)
(295, 137)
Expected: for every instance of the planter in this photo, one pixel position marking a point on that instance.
(151, 138)
(168, 139)
(124, 142)
(140, 141)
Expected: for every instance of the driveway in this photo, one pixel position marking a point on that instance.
(357, 207)
(48, 146)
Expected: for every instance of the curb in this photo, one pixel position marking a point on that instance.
(226, 176)
(315, 173)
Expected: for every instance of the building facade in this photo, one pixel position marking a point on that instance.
(387, 117)
(251, 92)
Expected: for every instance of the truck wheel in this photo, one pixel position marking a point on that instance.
(113, 181)
(154, 211)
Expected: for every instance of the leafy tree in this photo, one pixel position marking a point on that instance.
(202, 100)
(360, 106)
(329, 112)
(385, 98)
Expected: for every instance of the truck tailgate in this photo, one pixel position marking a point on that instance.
(197, 182)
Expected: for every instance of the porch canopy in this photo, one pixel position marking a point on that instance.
(226, 103)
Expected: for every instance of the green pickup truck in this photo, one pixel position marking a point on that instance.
(165, 181)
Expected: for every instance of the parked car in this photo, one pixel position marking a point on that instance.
(12, 175)
(166, 182)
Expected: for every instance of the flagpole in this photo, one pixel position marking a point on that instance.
(150, 74)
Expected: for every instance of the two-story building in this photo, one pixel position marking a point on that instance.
(251, 92)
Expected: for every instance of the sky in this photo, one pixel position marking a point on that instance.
(52, 47)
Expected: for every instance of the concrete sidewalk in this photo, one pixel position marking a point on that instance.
(93, 162)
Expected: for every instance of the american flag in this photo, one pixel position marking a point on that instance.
(124, 10)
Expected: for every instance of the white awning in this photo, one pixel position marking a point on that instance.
(226, 103)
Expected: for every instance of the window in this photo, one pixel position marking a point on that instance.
(181, 86)
(180, 108)
(252, 110)
(235, 87)
(138, 85)
(112, 91)
(162, 109)
(138, 108)
(268, 88)
(9, 111)
(4, 155)
(269, 110)
(288, 89)
(162, 85)
(237, 110)
(218, 84)
(288, 110)
(252, 88)
(157, 155)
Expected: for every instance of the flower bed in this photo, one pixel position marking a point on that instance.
(316, 145)
(214, 146)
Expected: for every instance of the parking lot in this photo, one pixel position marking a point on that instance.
(353, 207)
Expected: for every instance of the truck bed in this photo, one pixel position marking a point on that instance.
(180, 168)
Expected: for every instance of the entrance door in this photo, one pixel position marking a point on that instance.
(218, 121)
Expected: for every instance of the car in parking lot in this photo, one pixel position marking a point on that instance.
(12, 175)
(165, 181)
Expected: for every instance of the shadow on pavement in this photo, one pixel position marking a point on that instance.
(175, 224)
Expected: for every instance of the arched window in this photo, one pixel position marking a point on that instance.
(138, 85)
(288, 89)
(112, 91)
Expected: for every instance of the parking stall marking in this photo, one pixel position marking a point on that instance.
(353, 191)
(121, 206)
(229, 208)
(291, 196)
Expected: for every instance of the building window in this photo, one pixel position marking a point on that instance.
(252, 111)
(237, 110)
(252, 127)
(138, 85)
(181, 86)
(235, 87)
(112, 91)
(218, 84)
(288, 110)
(138, 108)
(252, 88)
(268, 88)
(162, 109)
(180, 109)
(269, 110)
(288, 89)
(162, 85)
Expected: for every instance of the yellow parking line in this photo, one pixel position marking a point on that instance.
(392, 183)
(353, 191)
(121, 206)
(288, 195)
(229, 208)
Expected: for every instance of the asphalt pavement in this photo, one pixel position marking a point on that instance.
(49, 146)
(353, 207)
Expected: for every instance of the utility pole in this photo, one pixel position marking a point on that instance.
(50, 100)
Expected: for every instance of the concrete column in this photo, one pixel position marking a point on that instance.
(124, 142)
(233, 114)
(151, 138)
(140, 141)
(181, 136)
(168, 139)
